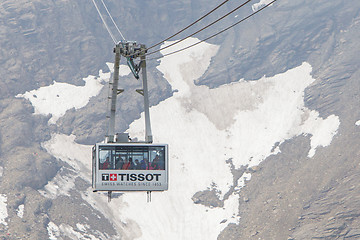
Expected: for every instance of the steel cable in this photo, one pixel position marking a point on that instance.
(113, 20)
(231, 26)
(202, 29)
(188, 26)
(185, 28)
(103, 20)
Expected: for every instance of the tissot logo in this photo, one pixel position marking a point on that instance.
(105, 177)
(139, 177)
(113, 177)
(109, 177)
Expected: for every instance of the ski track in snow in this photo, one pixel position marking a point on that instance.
(204, 127)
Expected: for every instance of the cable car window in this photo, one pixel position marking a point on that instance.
(104, 158)
(157, 158)
(132, 157)
(130, 167)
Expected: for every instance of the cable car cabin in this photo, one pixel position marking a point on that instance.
(130, 167)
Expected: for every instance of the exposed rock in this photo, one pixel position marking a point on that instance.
(42, 41)
(207, 198)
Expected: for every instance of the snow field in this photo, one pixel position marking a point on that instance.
(77, 156)
(58, 232)
(3, 209)
(57, 98)
(281, 115)
(260, 4)
(20, 211)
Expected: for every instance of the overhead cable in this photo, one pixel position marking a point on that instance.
(201, 28)
(192, 45)
(113, 20)
(188, 26)
(103, 20)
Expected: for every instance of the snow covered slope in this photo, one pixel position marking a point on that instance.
(209, 131)
(57, 98)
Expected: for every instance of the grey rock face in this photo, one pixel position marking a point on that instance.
(311, 200)
(289, 196)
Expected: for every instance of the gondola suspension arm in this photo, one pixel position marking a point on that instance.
(133, 50)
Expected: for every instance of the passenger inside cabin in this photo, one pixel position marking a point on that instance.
(137, 164)
(161, 163)
(144, 164)
(132, 164)
(119, 163)
(126, 165)
(105, 164)
(155, 164)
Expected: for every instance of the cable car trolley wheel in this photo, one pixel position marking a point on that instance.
(130, 167)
